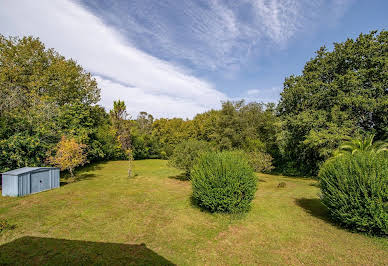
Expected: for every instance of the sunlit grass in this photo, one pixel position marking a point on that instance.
(285, 225)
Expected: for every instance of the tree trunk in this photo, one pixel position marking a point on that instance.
(130, 173)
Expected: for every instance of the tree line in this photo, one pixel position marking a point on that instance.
(44, 97)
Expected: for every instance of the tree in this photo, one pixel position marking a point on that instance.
(29, 70)
(144, 122)
(123, 131)
(68, 155)
(42, 97)
(169, 132)
(340, 93)
(119, 121)
(119, 111)
(238, 125)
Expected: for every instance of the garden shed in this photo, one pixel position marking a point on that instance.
(28, 180)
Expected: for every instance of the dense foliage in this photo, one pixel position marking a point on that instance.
(340, 93)
(44, 96)
(186, 154)
(355, 190)
(223, 182)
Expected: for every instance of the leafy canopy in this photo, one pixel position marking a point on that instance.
(340, 93)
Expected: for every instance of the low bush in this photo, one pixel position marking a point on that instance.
(223, 182)
(186, 153)
(354, 188)
(5, 225)
(260, 161)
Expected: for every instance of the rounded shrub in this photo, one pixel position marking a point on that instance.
(223, 182)
(354, 187)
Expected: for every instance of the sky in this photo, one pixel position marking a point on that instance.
(177, 58)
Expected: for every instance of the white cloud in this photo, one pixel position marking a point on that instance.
(265, 95)
(142, 81)
(140, 100)
(253, 92)
(141, 60)
(280, 19)
(216, 35)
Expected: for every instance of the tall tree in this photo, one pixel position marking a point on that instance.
(119, 120)
(144, 122)
(29, 70)
(123, 131)
(38, 87)
(340, 93)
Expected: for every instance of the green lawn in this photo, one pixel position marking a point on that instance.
(107, 218)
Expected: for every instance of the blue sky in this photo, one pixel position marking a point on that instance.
(179, 58)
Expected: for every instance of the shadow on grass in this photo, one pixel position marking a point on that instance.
(87, 168)
(78, 177)
(81, 174)
(314, 207)
(318, 210)
(180, 177)
(64, 183)
(37, 251)
(315, 185)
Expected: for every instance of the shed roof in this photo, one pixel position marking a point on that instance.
(25, 170)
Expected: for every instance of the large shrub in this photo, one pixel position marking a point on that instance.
(260, 161)
(223, 182)
(186, 153)
(355, 190)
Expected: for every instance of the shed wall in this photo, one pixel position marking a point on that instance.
(24, 185)
(54, 175)
(10, 185)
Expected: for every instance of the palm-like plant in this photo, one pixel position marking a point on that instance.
(363, 144)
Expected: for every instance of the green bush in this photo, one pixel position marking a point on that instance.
(355, 190)
(186, 153)
(260, 161)
(223, 182)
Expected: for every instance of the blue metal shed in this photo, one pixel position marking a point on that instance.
(28, 180)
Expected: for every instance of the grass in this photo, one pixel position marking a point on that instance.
(108, 218)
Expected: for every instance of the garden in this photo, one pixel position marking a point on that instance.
(108, 218)
(303, 181)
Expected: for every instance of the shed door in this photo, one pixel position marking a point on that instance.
(40, 181)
